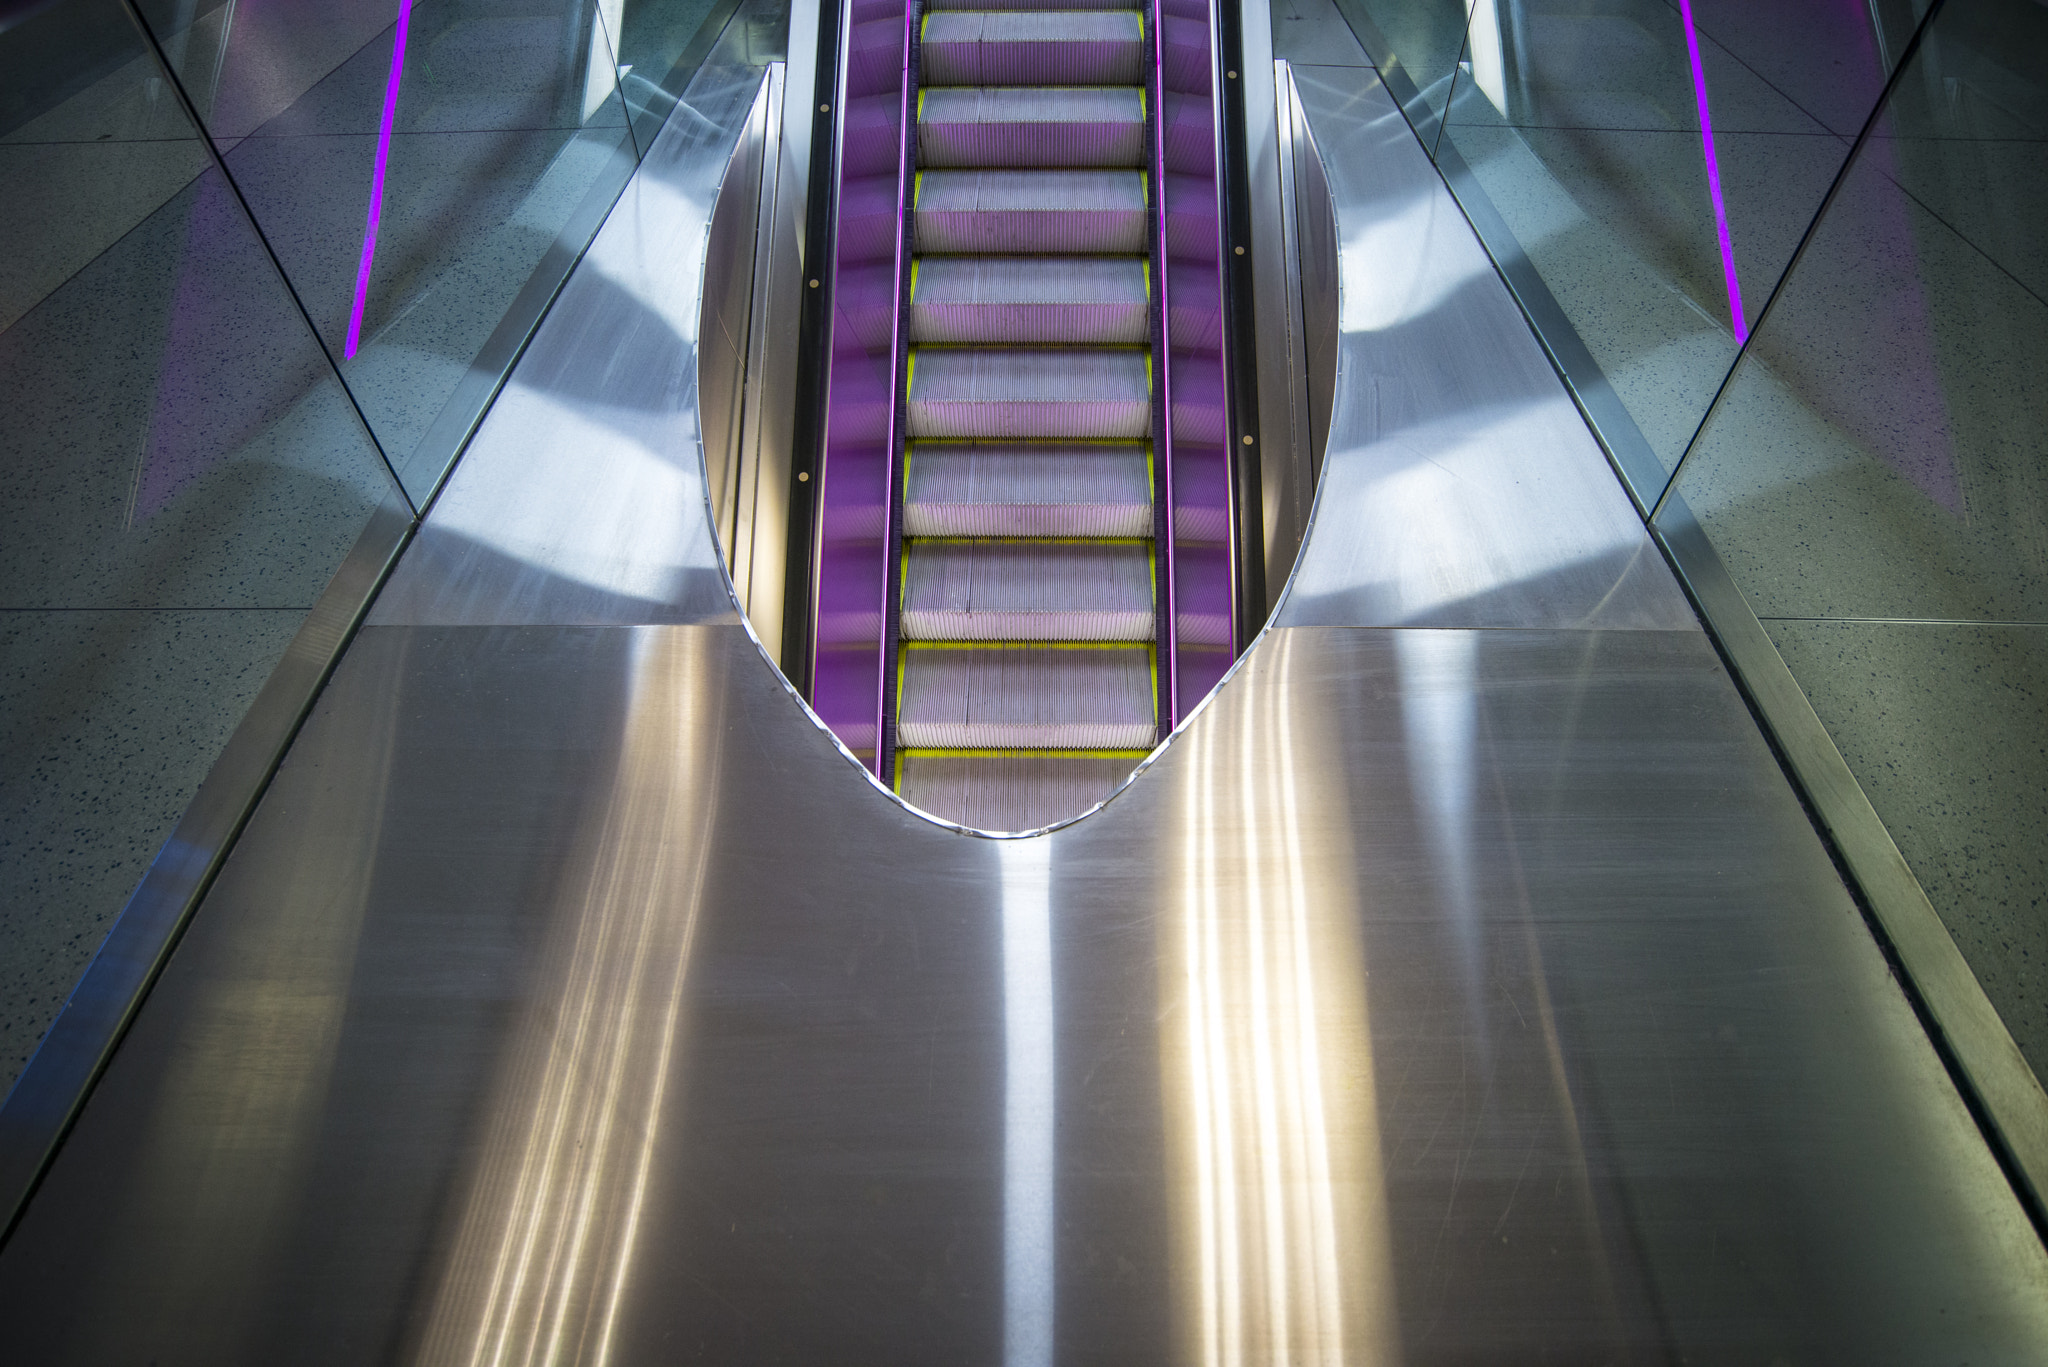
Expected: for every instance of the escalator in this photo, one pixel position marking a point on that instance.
(1021, 548)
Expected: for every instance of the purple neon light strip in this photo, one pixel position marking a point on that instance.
(1699, 90)
(355, 314)
(898, 381)
(1162, 375)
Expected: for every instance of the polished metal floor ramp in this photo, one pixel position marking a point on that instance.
(1029, 408)
(569, 987)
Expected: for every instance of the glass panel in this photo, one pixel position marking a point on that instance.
(411, 162)
(1659, 164)
(185, 473)
(1422, 39)
(1874, 479)
(662, 42)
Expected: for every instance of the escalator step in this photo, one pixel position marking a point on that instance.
(970, 394)
(1018, 792)
(1057, 5)
(994, 489)
(1030, 211)
(1026, 698)
(1027, 591)
(1023, 47)
(1000, 300)
(1036, 126)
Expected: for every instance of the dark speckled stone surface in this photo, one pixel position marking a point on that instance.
(1946, 728)
(108, 721)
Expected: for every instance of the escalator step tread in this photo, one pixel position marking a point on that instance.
(986, 590)
(1031, 126)
(1026, 47)
(1026, 698)
(970, 393)
(1013, 792)
(1064, 212)
(1058, 6)
(997, 489)
(1015, 299)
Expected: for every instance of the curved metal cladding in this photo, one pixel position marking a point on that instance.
(1196, 469)
(857, 474)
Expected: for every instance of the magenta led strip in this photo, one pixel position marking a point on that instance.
(898, 381)
(355, 315)
(1162, 375)
(1699, 90)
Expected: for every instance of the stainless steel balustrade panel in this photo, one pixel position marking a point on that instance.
(1484, 995)
(1449, 417)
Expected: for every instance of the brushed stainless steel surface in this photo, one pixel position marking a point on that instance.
(759, 555)
(1449, 416)
(1288, 466)
(581, 498)
(572, 998)
(47, 1095)
(732, 267)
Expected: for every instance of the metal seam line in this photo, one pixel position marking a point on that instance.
(1028, 1100)
(391, 83)
(177, 88)
(1699, 90)
(1884, 99)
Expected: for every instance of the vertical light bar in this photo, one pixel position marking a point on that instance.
(1028, 1095)
(1699, 90)
(355, 315)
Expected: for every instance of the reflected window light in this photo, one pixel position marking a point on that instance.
(547, 1245)
(1488, 58)
(1286, 1262)
(600, 76)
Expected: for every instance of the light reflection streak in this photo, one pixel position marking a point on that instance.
(1440, 717)
(1028, 1100)
(1283, 1229)
(543, 1260)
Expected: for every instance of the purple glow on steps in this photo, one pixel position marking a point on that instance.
(1699, 90)
(355, 316)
